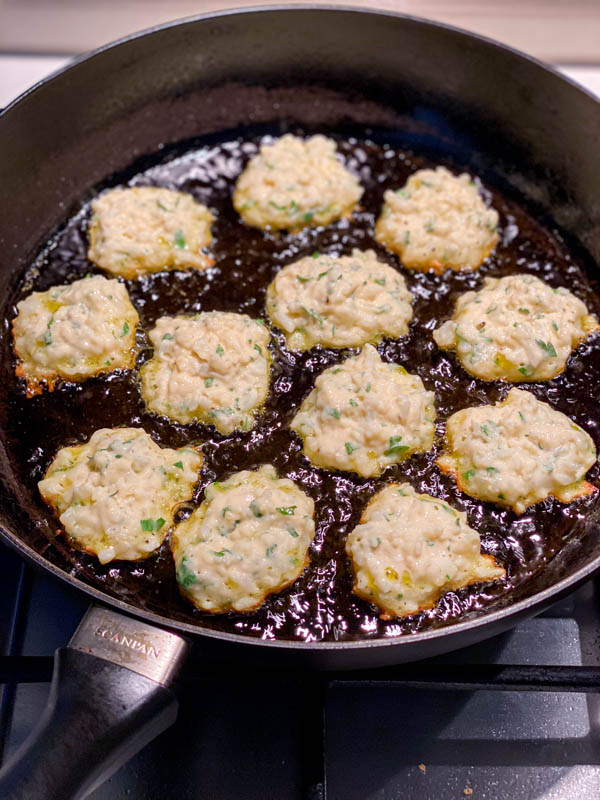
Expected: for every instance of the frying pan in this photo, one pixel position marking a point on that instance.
(315, 66)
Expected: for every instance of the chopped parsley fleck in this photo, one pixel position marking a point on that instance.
(293, 532)
(399, 596)
(222, 552)
(547, 347)
(220, 350)
(501, 496)
(555, 326)
(161, 206)
(526, 370)
(353, 402)
(152, 524)
(368, 387)
(48, 334)
(523, 311)
(313, 314)
(287, 510)
(380, 281)
(468, 474)
(255, 509)
(179, 239)
(185, 576)
(270, 550)
(322, 274)
(350, 448)
(308, 216)
(491, 470)
(209, 382)
(258, 349)
(168, 337)
(335, 413)
(315, 254)
(302, 279)
(125, 329)
(395, 448)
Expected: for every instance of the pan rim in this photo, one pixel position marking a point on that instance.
(531, 605)
(295, 7)
(499, 619)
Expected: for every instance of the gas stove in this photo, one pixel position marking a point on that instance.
(515, 717)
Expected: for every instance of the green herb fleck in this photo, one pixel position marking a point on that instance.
(287, 510)
(395, 448)
(350, 448)
(185, 576)
(48, 333)
(220, 350)
(523, 311)
(468, 474)
(258, 349)
(353, 402)
(311, 313)
(335, 413)
(179, 239)
(302, 279)
(547, 347)
(178, 464)
(293, 532)
(168, 337)
(380, 281)
(125, 329)
(209, 382)
(526, 370)
(255, 509)
(152, 524)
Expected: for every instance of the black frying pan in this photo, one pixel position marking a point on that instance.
(495, 111)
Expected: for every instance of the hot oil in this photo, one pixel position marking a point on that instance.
(320, 604)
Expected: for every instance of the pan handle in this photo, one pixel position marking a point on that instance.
(109, 697)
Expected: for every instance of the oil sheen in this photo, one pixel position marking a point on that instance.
(319, 605)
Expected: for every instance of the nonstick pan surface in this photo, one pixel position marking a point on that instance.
(547, 550)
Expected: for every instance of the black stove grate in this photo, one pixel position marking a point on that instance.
(515, 717)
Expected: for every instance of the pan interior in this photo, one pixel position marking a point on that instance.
(536, 547)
